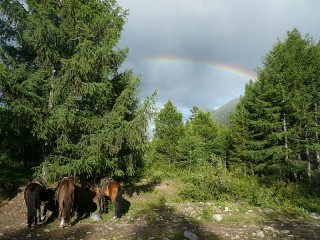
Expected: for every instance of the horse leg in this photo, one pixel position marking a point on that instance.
(39, 213)
(117, 202)
(62, 222)
(96, 200)
(44, 212)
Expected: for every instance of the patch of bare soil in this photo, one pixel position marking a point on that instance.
(164, 220)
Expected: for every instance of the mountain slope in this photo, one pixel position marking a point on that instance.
(221, 115)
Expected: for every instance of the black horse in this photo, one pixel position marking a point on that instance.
(34, 194)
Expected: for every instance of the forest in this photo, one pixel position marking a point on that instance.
(67, 108)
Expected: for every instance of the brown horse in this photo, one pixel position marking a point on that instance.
(34, 194)
(66, 193)
(113, 190)
(98, 199)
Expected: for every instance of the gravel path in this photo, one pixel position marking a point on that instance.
(163, 221)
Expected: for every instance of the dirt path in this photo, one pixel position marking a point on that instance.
(150, 219)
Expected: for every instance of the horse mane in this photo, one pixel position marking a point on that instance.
(36, 180)
(104, 182)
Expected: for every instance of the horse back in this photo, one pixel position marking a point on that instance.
(34, 189)
(112, 190)
(66, 190)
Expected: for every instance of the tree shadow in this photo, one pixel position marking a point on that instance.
(84, 203)
(43, 232)
(133, 188)
(8, 192)
(162, 222)
(299, 227)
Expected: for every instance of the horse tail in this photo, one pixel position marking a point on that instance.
(31, 207)
(68, 206)
(118, 201)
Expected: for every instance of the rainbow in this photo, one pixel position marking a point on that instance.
(216, 66)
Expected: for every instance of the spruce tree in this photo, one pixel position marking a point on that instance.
(211, 135)
(240, 159)
(190, 147)
(282, 113)
(168, 130)
(63, 65)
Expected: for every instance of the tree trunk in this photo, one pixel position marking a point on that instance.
(317, 134)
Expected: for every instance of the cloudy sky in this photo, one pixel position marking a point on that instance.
(202, 52)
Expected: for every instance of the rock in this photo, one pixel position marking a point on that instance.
(28, 236)
(95, 217)
(46, 230)
(315, 216)
(226, 209)
(269, 229)
(1, 234)
(260, 234)
(217, 217)
(190, 235)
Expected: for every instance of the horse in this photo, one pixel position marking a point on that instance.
(66, 197)
(34, 194)
(97, 199)
(113, 191)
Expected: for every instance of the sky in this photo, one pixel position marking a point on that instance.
(203, 52)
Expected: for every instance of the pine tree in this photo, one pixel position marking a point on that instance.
(20, 102)
(84, 110)
(240, 158)
(190, 147)
(281, 111)
(168, 130)
(210, 134)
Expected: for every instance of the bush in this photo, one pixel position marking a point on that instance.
(211, 181)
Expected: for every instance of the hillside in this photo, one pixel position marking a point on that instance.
(221, 115)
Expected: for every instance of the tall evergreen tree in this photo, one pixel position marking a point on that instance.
(282, 113)
(190, 147)
(61, 70)
(240, 158)
(168, 130)
(211, 135)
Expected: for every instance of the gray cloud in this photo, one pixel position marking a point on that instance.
(236, 33)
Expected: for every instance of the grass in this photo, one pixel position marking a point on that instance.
(205, 182)
(11, 177)
(14, 175)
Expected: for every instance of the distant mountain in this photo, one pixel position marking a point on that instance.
(221, 115)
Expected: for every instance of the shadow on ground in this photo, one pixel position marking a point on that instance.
(132, 188)
(298, 227)
(163, 223)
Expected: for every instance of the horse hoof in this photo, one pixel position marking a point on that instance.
(62, 224)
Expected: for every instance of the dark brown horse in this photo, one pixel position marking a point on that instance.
(113, 191)
(34, 194)
(66, 194)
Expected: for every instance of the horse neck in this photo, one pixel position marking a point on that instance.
(36, 181)
(106, 190)
(96, 189)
